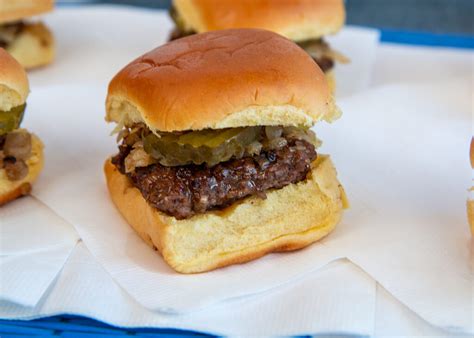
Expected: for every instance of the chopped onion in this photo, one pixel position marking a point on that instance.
(118, 127)
(277, 143)
(335, 55)
(254, 148)
(122, 134)
(138, 157)
(273, 132)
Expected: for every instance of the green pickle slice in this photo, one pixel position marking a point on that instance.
(11, 120)
(198, 147)
(212, 146)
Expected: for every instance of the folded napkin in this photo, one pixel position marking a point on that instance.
(406, 226)
(339, 298)
(34, 245)
(403, 152)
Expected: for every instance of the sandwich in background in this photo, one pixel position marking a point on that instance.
(306, 22)
(21, 153)
(217, 164)
(30, 42)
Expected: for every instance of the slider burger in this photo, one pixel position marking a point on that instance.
(216, 162)
(21, 153)
(31, 43)
(306, 22)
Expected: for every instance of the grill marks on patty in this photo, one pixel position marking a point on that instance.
(185, 191)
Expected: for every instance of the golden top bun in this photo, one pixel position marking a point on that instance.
(296, 19)
(12, 10)
(10, 190)
(221, 79)
(14, 87)
(288, 219)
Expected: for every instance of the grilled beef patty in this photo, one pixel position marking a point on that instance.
(184, 191)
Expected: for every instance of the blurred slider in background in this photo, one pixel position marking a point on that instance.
(21, 152)
(30, 42)
(306, 22)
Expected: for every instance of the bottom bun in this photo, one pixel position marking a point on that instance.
(34, 46)
(289, 219)
(10, 190)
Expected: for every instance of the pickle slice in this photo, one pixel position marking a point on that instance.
(11, 120)
(212, 146)
(211, 138)
(198, 147)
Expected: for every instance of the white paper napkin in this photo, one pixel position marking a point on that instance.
(360, 45)
(340, 298)
(396, 63)
(403, 153)
(25, 278)
(95, 42)
(34, 245)
(406, 226)
(394, 319)
(28, 226)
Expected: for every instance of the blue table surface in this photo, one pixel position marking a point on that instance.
(80, 327)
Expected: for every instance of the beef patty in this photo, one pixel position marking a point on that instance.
(184, 191)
